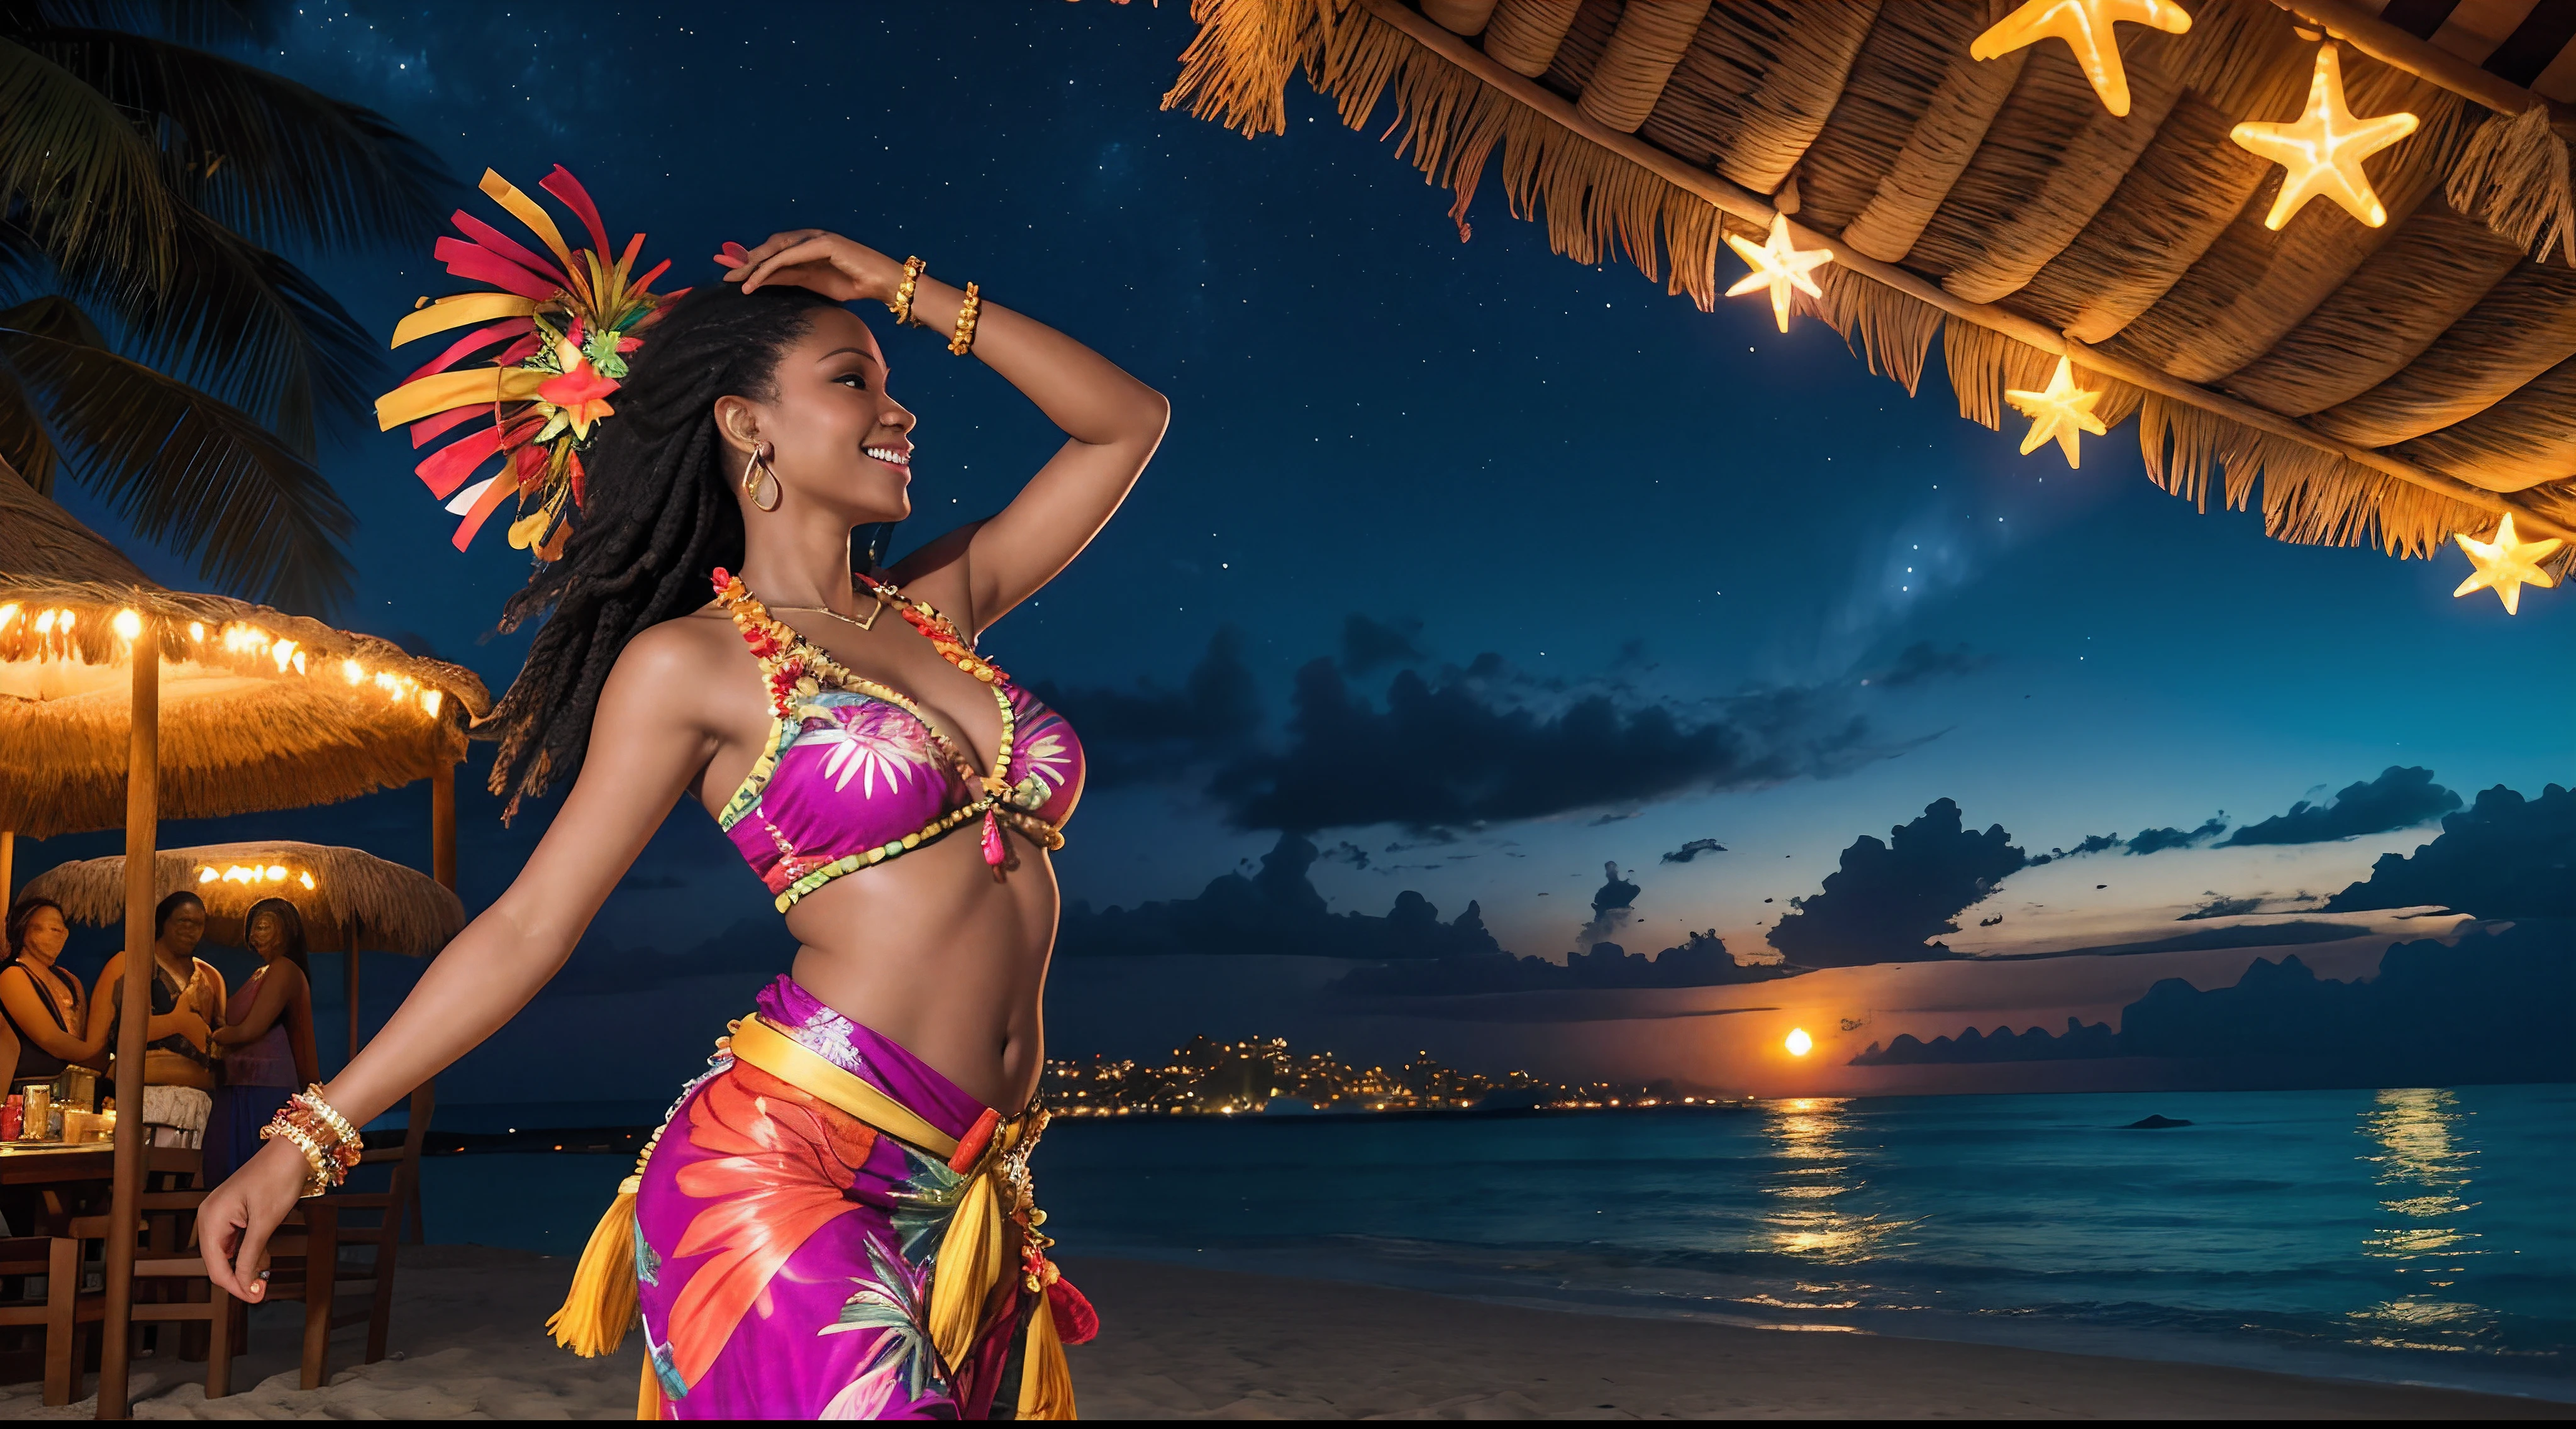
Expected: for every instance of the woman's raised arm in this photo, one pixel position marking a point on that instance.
(648, 742)
(1113, 422)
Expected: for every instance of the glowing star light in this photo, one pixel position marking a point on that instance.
(2085, 26)
(1778, 265)
(2058, 411)
(2322, 153)
(2505, 565)
(1799, 1043)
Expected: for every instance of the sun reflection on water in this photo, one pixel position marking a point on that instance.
(2421, 1170)
(1815, 1137)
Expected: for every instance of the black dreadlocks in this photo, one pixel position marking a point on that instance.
(658, 515)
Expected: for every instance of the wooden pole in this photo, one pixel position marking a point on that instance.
(442, 866)
(442, 826)
(8, 867)
(142, 818)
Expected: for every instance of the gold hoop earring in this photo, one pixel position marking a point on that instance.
(757, 476)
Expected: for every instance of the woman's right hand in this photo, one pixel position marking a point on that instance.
(237, 1218)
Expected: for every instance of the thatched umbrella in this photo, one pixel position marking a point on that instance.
(2390, 385)
(350, 899)
(263, 710)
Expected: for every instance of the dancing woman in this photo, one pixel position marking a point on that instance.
(836, 1220)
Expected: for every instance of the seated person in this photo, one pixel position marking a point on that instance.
(187, 1006)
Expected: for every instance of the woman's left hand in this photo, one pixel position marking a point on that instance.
(831, 265)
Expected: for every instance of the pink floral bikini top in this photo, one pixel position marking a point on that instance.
(855, 774)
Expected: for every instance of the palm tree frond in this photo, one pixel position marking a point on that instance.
(87, 176)
(251, 328)
(196, 22)
(175, 462)
(25, 445)
(259, 153)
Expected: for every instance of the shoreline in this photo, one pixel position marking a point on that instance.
(1186, 1342)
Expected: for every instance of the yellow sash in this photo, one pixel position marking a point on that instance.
(973, 1254)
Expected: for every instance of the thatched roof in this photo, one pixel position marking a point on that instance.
(241, 730)
(2386, 385)
(345, 896)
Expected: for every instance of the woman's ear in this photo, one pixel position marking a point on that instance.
(740, 425)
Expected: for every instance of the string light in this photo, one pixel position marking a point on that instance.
(2057, 412)
(2505, 565)
(2322, 152)
(2085, 26)
(1778, 265)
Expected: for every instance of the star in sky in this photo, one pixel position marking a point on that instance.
(2322, 152)
(2505, 565)
(2085, 26)
(2057, 411)
(1778, 265)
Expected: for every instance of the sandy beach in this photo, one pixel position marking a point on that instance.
(1182, 1343)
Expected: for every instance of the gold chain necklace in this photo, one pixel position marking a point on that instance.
(876, 607)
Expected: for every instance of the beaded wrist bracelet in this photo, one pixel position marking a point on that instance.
(331, 1146)
(964, 339)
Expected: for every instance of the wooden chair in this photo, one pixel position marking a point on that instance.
(170, 1284)
(64, 1311)
(304, 1256)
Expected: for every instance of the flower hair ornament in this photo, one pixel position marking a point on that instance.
(564, 329)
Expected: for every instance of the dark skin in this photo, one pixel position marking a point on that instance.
(283, 992)
(175, 953)
(30, 985)
(931, 949)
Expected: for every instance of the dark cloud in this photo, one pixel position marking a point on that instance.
(1694, 849)
(2503, 857)
(2222, 907)
(2493, 1009)
(1154, 733)
(1466, 750)
(1924, 661)
(1373, 644)
(1889, 900)
(1278, 911)
(2158, 840)
(1701, 960)
(2400, 797)
(1613, 904)
(1608, 819)
(1348, 852)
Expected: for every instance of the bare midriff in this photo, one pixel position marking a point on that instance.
(934, 952)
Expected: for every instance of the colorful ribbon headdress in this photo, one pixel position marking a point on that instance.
(567, 326)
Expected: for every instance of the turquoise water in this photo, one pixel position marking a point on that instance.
(2417, 1235)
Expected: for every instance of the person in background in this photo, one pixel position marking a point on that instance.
(187, 1007)
(266, 1042)
(43, 1008)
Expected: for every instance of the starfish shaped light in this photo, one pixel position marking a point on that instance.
(2505, 565)
(2322, 153)
(2085, 26)
(1778, 265)
(2058, 411)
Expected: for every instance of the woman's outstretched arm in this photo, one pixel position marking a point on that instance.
(1113, 421)
(26, 1005)
(648, 742)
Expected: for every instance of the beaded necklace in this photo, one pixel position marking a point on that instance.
(795, 668)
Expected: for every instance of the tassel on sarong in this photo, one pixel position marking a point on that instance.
(1046, 1384)
(601, 1304)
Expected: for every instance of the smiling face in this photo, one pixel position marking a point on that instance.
(186, 928)
(267, 934)
(837, 440)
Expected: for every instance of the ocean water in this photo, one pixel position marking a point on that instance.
(2416, 1235)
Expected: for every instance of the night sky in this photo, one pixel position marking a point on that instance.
(1546, 488)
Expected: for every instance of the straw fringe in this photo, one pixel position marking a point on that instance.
(383, 906)
(2513, 175)
(2229, 291)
